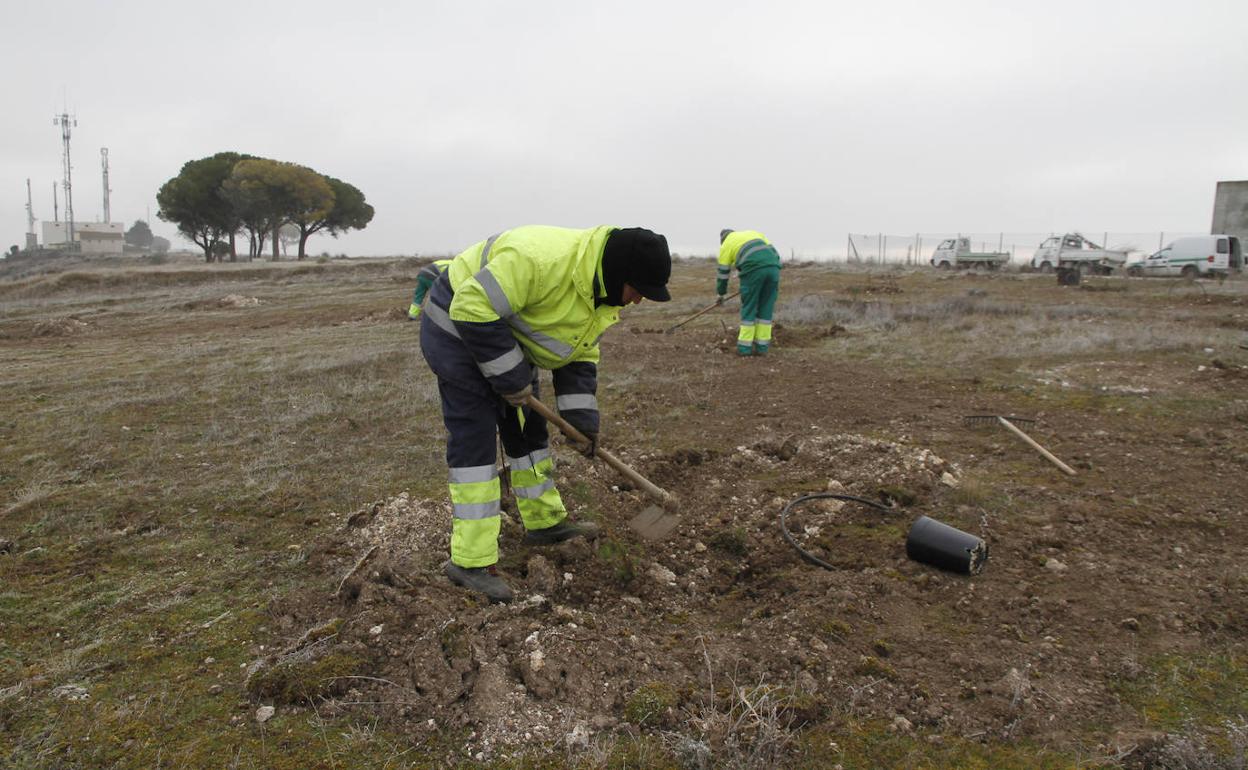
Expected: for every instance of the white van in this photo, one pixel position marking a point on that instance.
(1193, 256)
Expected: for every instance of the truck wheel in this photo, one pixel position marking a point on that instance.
(945, 266)
(1046, 267)
(1189, 272)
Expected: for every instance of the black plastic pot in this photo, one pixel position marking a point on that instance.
(940, 545)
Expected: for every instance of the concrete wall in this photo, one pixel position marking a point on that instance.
(1230, 210)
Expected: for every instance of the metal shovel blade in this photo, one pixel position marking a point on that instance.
(654, 523)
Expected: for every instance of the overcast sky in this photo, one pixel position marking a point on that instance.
(801, 119)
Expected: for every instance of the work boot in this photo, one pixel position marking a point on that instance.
(564, 530)
(483, 580)
(744, 351)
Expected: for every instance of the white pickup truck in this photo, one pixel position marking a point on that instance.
(956, 252)
(1072, 250)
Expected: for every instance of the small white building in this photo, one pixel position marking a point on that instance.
(92, 237)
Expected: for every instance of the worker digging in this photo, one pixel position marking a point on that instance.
(758, 269)
(530, 298)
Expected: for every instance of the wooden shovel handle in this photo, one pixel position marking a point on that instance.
(706, 309)
(650, 488)
(1030, 442)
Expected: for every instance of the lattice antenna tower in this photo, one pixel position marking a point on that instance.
(66, 122)
(104, 165)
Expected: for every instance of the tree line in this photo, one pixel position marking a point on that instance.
(213, 199)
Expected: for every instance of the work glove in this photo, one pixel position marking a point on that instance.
(589, 450)
(519, 397)
(587, 429)
(719, 300)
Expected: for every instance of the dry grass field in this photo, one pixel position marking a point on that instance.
(192, 457)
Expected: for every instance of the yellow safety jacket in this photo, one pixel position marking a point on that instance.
(542, 282)
(744, 250)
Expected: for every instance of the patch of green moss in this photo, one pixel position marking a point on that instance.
(580, 492)
(733, 542)
(643, 751)
(972, 492)
(798, 709)
(300, 682)
(1179, 690)
(897, 495)
(837, 629)
(615, 555)
(649, 705)
(323, 631)
(869, 665)
(872, 745)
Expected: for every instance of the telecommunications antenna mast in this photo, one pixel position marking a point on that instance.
(30, 211)
(66, 122)
(104, 165)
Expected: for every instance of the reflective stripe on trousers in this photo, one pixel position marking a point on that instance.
(533, 484)
(475, 419)
(759, 290)
(475, 499)
(762, 334)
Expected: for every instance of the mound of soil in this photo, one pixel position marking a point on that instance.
(596, 625)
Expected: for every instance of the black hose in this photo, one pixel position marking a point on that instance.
(784, 528)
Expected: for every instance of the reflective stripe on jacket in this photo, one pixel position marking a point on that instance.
(745, 250)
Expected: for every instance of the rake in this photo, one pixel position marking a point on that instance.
(1008, 424)
(701, 312)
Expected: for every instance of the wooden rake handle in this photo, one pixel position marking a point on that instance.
(656, 492)
(703, 311)
(1031, 442)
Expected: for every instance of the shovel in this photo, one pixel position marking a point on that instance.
(704, 310)
(654, 522)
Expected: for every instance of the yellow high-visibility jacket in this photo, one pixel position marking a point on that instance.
(745, 250)
(542, 282)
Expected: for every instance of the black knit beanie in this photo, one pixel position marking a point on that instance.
(636, 256)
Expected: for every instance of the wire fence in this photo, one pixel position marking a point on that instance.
(917, 248)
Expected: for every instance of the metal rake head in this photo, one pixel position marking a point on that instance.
(991, 419)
